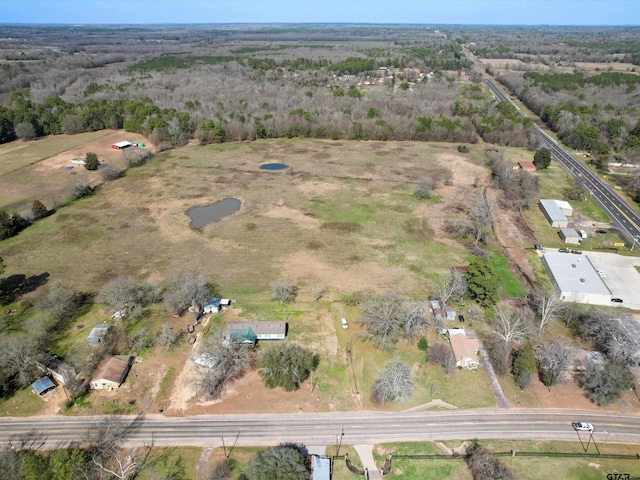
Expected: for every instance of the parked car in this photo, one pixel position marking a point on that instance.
(582, 426)
(601, 231)
(563, 250)
(461, 318)
(345, 325)
(601, 273)
(616, 300)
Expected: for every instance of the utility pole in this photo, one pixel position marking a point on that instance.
(339, 438)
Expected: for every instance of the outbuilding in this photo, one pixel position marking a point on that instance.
(43, 385)
(569, 235)
(98, 334)
(553, 213)
(527, 166)
(121, 145)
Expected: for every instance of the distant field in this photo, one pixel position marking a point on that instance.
(19, 154)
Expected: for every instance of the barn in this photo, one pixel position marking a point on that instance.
(121, 145)
(554, 213)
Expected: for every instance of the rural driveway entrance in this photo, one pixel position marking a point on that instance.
(501, 400)
(368, 463)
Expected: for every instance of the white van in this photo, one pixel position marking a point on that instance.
(345, 325)
(583, 234)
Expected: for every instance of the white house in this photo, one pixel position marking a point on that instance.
(262, 330)
(465, 349)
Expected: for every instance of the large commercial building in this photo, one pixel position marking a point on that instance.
(576, 279)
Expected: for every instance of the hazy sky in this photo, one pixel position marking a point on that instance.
(504, 12)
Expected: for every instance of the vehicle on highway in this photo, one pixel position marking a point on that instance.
(601, 231)
(345, 325)
(582, 426)
(616, 300)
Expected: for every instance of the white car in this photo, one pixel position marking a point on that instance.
(582, 426)
(345, 325)
(601, 273)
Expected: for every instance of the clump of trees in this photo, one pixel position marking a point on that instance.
(286, 365)
(394, 382)
(389, 317)
(542, 158)
(91, 161)
(524, 366)
(484, 465)
(285, 462)
(482, 282)
(186, 291)
(11, 224)
(441, 354)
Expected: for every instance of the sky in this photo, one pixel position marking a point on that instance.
(484, 12)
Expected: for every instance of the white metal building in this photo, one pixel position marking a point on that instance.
(575, 278)
(569, 235)
(556, 211)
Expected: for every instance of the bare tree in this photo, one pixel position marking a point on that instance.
(25, 131)
(72, 124)
(61, 301)
(617, 337)
(553, 357)
(184, 291)
(79, 187)
(318, 291)
(510, 324)
(394, 382)
(124, 297)
(548, 305)
(453, 286)
(482, 217)
(18, 355)
(283, 291)
(389, 316)
(229, 362)
(168, 337)
(441, 354)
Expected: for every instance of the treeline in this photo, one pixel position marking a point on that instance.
(596, 113)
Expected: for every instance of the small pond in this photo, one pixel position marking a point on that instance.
(274, 166)
(206, 214)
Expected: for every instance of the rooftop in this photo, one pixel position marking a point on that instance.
(575, 273)
(260, 328)
(114, 369)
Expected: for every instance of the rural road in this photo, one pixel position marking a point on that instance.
(321, 428)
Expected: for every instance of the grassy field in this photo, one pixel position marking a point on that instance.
(19, 154)
(420, 469)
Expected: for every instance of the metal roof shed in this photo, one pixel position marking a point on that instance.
(553, 214)
(43, 385)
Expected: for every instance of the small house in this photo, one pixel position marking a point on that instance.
(569, 235)
(262, 330)
(55, 367)
(43, 385)
(98, 334)
(526, 166)
(465, 349)
(112, 372)
(212, 305)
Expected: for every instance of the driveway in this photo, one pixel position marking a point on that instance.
(620, 276)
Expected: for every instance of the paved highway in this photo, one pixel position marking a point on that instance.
(620, 213)
(358, 427)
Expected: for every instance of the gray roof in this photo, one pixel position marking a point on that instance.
(553, 210)
(260, 328)
(575, 273)
(43, 385)
(97, 333)
(569, 232)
